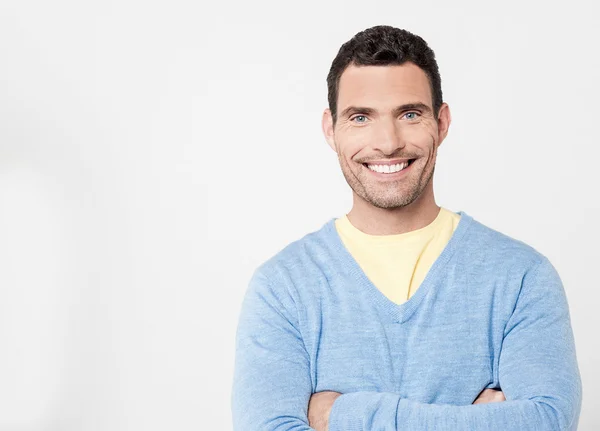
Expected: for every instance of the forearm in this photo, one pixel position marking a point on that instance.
(387, 411)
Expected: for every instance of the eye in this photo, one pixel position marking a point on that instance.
(359, 119)
(413, 113)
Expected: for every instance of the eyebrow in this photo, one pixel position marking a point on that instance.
(350, 110)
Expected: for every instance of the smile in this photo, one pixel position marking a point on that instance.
(388, 169)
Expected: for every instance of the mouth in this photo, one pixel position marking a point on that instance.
(389, 171)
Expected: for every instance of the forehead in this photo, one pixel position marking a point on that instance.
(383, 85)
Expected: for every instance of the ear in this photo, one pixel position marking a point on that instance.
(444, 120)
(327, 126)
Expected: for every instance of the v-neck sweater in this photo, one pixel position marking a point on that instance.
(491, 313)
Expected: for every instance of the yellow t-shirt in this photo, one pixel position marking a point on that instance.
(397, 264)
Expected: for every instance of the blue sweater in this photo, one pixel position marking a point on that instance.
(491, 313)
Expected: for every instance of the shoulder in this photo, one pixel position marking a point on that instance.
(301, 259)
(522, 272)
(492, 247)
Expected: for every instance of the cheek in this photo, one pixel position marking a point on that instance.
(419, 133)
(421, 137)
(351, 145)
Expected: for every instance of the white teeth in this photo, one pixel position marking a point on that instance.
(388, 169)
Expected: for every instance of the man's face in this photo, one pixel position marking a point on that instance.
(385, 113)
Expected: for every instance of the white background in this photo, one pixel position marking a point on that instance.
(152, 154)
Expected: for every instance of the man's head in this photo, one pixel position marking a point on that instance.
(385, 105)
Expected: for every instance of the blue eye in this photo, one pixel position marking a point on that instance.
(360, 116)
(414, 113)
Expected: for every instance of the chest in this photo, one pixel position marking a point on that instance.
(445, 356)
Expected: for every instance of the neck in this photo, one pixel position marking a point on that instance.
(380, 221)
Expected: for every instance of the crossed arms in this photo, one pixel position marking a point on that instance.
(537, 371)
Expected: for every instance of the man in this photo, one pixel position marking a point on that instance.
(401, 315)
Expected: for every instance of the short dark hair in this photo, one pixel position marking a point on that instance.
(384, 45)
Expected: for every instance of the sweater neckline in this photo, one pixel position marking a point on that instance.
(398, 313)
(375, 240)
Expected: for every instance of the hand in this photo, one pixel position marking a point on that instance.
(319, 406)
(490, 396)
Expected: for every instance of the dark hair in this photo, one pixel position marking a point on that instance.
(384, 45)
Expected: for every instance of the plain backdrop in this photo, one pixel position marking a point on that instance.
(153, 154)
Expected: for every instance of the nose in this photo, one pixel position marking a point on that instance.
(389, 136)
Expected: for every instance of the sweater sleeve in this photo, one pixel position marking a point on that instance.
(538, 374)
(271, 383)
